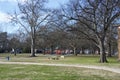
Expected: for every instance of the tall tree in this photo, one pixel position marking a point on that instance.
(32, 15)
(96, 16)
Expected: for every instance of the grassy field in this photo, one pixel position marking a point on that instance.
(34, 72)
(37, 72)
(81, 59)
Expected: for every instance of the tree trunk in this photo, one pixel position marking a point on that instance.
(74, 50)
(82, 51)
(32, 42)
(109, 50)
(44, 51)
(32, 47)
(103, 58)
(52, 50)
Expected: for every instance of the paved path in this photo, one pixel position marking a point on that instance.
(116, 70)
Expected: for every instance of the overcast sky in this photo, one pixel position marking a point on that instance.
(9, 6)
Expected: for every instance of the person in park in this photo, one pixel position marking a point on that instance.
(13, 51)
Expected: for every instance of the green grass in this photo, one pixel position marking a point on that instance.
(81, 59)
(35, 72)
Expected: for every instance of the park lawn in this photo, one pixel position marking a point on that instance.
(36, 72)
(69, 59)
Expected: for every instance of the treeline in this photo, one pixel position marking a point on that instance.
(51, 40)
(78, 25)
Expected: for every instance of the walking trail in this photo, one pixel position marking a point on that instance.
(116, 70)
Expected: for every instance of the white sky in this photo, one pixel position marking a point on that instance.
(9, 6)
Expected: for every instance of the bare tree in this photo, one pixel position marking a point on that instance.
(32, 15)
(96, 16)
